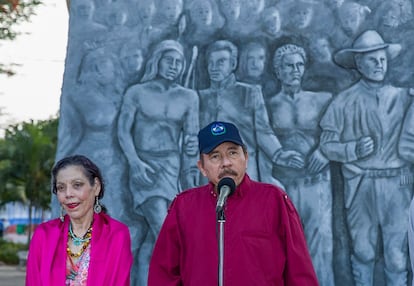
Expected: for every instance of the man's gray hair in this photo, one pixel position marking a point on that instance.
(287, 50)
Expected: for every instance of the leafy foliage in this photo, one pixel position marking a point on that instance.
(12, 13)
(8, 251)
(26, 157)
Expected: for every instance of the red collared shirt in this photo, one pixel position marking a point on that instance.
(264, 242)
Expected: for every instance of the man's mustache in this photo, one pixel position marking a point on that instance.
(227, 172)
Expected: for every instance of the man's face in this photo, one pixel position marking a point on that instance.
(392, 17)
(350, 22)
(256, 58)
(226, 160)
(202, 13)
(170, 65)
(230, 9)
(84, 10)
(220, 65)
(171, 10)
(291, 69)
(146, 11)
(133, 62)
(302, 17)
(321, 50)
(272, 23)
(372, 65)
(116, 18)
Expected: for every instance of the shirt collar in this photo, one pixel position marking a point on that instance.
(225, 83)
(240, 189)
(370, 87)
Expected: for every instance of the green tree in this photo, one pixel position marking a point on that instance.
(27, 154)
(12, 13)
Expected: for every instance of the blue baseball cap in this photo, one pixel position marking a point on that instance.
(216, 133)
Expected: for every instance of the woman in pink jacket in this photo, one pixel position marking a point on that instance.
(85, 246)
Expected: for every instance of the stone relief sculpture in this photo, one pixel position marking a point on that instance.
(157, 130)
(361, 129)
(139, 124)
(131, 57)
(252, 69)
(229, 100)
(295, 115)
(90, 130)
(167, 17)
(352, 18)
(204, 21)
(405, 144)
(146, 32)
(270, 24)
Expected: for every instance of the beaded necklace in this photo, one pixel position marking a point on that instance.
(77, 240)
(84, 241)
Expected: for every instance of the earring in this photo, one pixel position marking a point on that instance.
(97, 208)
(62, 215)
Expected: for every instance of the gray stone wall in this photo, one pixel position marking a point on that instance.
(139, 83)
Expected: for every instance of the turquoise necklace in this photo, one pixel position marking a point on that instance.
(77, 240)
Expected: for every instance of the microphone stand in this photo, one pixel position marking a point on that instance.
(221, 220)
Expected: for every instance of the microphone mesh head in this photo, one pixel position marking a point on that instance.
(226, 181)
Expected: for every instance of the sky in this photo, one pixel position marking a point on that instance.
(34, 92)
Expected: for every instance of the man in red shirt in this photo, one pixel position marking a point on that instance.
(263, 240)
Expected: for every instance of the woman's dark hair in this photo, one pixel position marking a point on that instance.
(90, 170)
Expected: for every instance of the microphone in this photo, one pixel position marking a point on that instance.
(225, 188)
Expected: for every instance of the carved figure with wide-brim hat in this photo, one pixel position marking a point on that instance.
(367, 41)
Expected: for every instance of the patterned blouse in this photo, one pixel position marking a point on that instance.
(77, 274)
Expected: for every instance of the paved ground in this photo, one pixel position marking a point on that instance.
(12, 275)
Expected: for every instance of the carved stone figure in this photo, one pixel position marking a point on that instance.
(157, 130)
(87, 130)
(294, 116)
(252, 69)
(361, 129)
(229, 100)
(111, 41)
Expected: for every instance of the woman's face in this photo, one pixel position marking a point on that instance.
(75, 193)
(105, 71)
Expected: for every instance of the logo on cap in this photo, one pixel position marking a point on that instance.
(218, 129)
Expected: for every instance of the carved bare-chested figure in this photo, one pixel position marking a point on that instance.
(157, 130)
